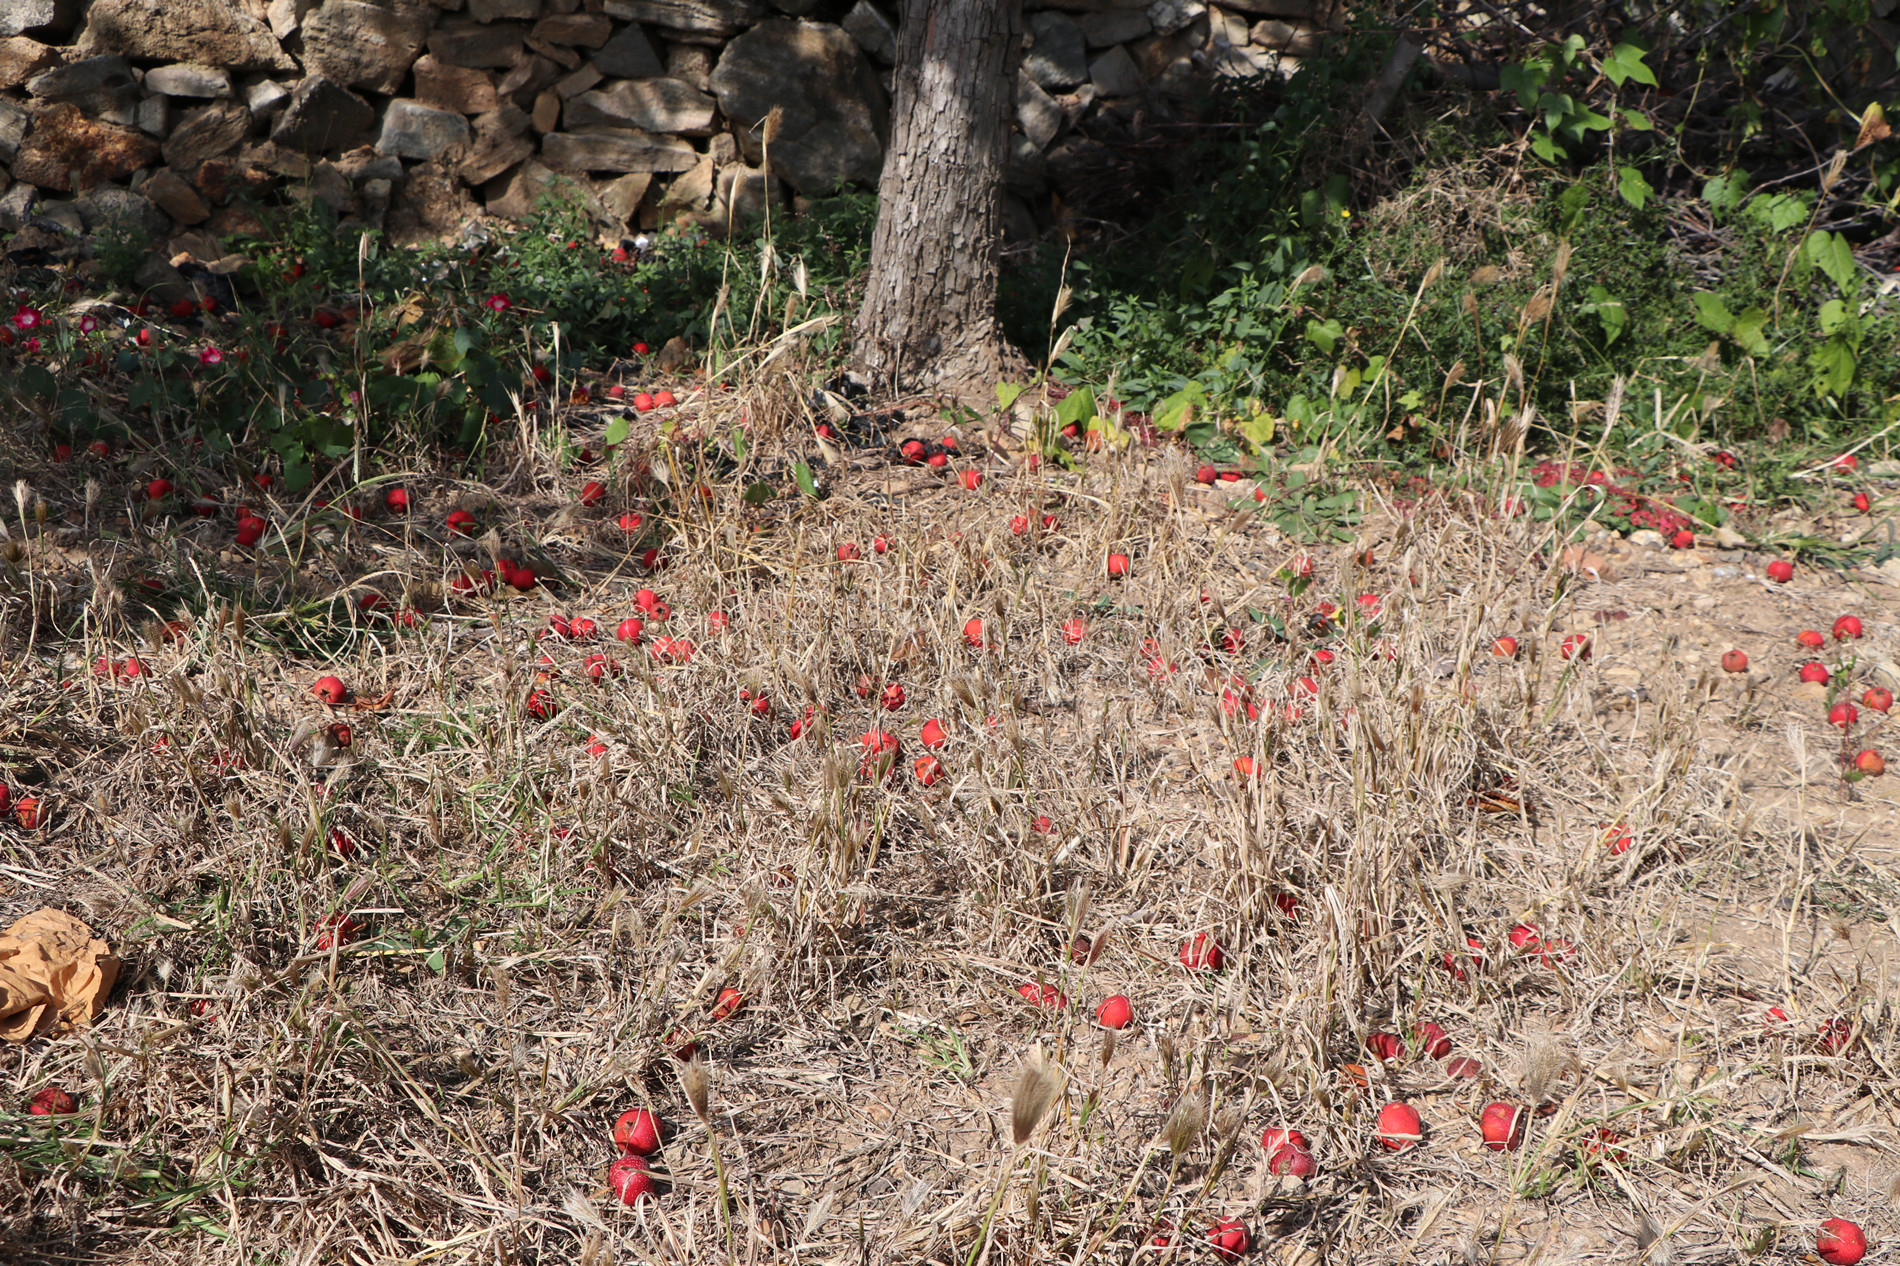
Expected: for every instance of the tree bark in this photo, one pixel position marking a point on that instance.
(928, 321)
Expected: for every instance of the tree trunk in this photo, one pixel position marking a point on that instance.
(929, 315)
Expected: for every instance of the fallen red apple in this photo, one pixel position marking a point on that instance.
(849, 552)
(1385, 1046)
(1810, 639)
(1048, 997)
(643, 402)
(1073, 631)
(397, 499)
(971, 479)
(158, 489)
(1205, 475)
(1463, 1067)
(1870, 763)
(1295, 1162)
(336, 930)
(639, 1132)
(630, 1179)
(1229, 1238)
(1575, 646)
(1734, 662)
(1244, 766)
(1781, 571)
(1684, 539)
(630, 629)
(664, 398)
(1273, 1140)
(1118, 565)
(1840, 1242)
(1843, 715)
(1879, 698)
(1202, 952)
(330, 689)
(1847, 628)
(27, 813)
(1815, 672)
(1116, 1012)
(928, 769)
(932, 735)
(51, 1102)
(630, 522)
(1505, 648)
(973, 632)
(1399, 1126)
(1862, 502)
(593, 492)
(582, 629)
(540, 705)
(1502, 1125)
(1432, 1040)
(880, 751)
(893, 697)
(729, 1003)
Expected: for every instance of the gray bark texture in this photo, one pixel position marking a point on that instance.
(928, 322)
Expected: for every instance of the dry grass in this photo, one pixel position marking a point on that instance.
(542, 927)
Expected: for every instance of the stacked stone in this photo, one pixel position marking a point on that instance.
(421, 115)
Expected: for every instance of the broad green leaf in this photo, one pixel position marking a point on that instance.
(1006, 393)
(1747, 331)
(1713, 313)
(1784, 211)
(1833, 256)
(1834, 363)
(1632, 187)
(1325, 335)
(1258, 430)
(1636, 119)
(1076, 407)
(757, 494)
(1626, 63)
(1725, 192)
(1179, 409)
(1832, 316)
(802, 473)
(616, 431)
(1610, 313)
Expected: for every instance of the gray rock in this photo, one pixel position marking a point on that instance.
(502, 10)
(582, 30)
(32, 15)
(457, 88)
(624, 194)
(834, 109)
(363, 45)
(694, 21)
(328, 186)
(1076, 159)
(204, 32)
(501, 141)
(1285, 37)
(14, 122)
(652, 105)
(574, 83)
(22, 58)
(873, 31)
(154, 116)
(629, 55)
(17, 206)
(1059, 58)
(266, 98)
(175, 197)
(475, 45)
(1036, 113)
(690, 64)
(616, 150)
(63, 217)
(205, 133)
(1115, 74)
(323, 115)
(98, 85)
(530, 75)
(414, 130)
(376, 197)
(1170, 16)
(1303, 9)
(1118, 26)
(519, 195)
(187, 80)
(286, 16)
(108, 204)
(363, 165)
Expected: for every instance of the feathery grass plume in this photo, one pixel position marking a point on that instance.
(1561, 268)
(1544, 1063)
(1313, 274)
(1185, 1122)
(774, 123)
(696, 1081)
(1036, 1091)
(1432, 274)
(1488, 275)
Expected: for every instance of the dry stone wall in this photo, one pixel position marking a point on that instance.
(418, 115)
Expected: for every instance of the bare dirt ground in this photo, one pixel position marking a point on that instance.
(543, 926)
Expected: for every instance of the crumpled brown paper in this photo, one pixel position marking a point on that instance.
(53, 974)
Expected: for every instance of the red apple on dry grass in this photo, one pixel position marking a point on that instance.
(631, 1179)
(1116, 1012)
(639, 1132)
(1399, 1126)
(1840, 1242)
(1734, 662)
(1202, 952)
(1781, 571)
(1502, 1125)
